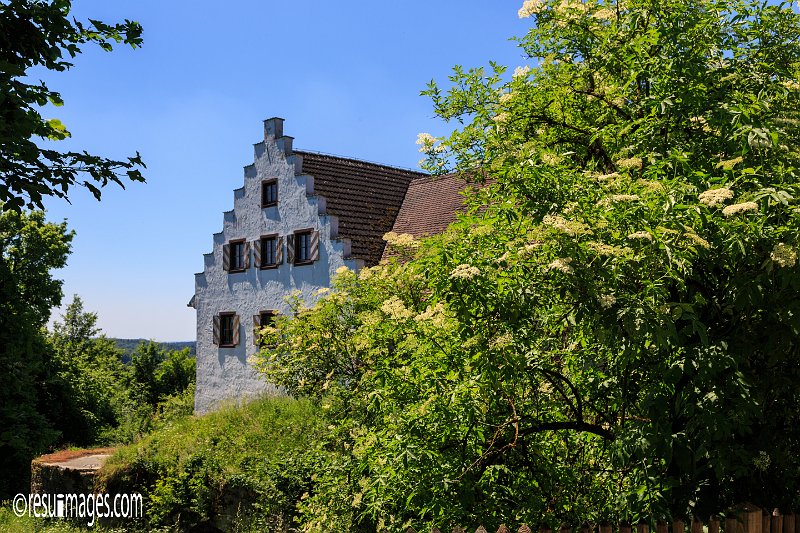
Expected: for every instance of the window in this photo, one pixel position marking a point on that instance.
(269, 193)
(262, 320)
(236, 256)
(303, 247)
(268, 251)
(226, 330)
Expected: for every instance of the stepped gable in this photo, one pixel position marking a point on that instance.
(431, 204)
(366, 198)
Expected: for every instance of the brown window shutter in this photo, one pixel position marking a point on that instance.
(314, 252)
(256, 329)
(279, 251)
(257, 253)
(216, 330)
(226, 257)
(290, 249)
(246, 255)
(236, 330)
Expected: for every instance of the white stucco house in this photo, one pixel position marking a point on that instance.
(298, 217)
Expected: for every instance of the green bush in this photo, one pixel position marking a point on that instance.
(256, 461)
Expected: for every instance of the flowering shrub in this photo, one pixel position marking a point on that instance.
(612, 327)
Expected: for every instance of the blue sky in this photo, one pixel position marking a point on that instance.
(345, 75)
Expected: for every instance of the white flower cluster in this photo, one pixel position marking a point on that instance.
(728, 164)
(606, 300)
(501, 118)
(396, 309)
(735, 209)
(783, 255)
(631, 163)
(640, 235)
(425, 141)
(521, 72)
(529, 8)
(527, 250)
(715, 197)
(624, 197)
(550, 159)
(570, 227)
(608, 250)
(405, 240)
(464, 271)
(562, 265)
(434, 314)
(697, 239)
(506, 98)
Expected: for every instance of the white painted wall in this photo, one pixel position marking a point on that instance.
(224, 373)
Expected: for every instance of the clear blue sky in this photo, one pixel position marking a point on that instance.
(345, 75)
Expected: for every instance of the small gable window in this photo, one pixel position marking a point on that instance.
(236, 256)
(268, 251)
(269, 193)
(302, 247)
(226, 330)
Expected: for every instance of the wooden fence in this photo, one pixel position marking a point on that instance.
(746, 519)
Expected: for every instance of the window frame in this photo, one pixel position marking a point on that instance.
(245, 251)
(309, 233)
(223, 318)
(274, 237)
(265, 184)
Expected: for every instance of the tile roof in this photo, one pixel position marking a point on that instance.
(366, 197)
(431, 204)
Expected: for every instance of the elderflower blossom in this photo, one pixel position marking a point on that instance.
(607, 177)
(631, 163)
(396, 309)
(624, 197)
(521, 72)
(715, 197)
(698, 240)
(342, 270)
(608, 250)
(640, 235)
(527, 250)
(506, 339)
(464, 271)
(606, 300)
(401, 239)
(506, 97)
(561, 265)
(500, 118)
(550, 159)
(425, 140)
(570, 227)
(735, 209)
(322, 290)
(433, 314)
(783, 255)
(792, 85)
(728, 164)
(529, 8)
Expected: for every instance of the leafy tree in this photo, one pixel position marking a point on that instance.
(87, 384)
(29, 249)
(611, 331)
(38, 33)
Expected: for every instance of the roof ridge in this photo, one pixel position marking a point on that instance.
(365, 161)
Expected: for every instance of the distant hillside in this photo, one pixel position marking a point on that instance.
(129, 345)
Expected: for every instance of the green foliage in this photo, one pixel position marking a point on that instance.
(94, 398)
(611, 330)
(246, 467)
(29, 249)
(36, 33)
(85, 388)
